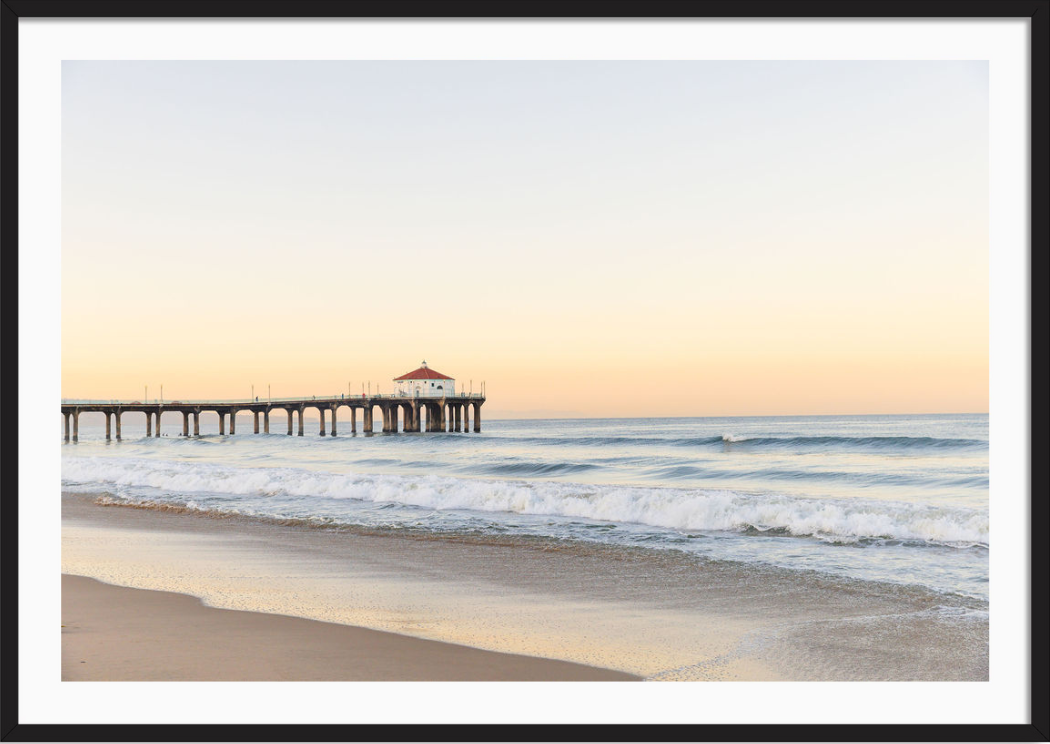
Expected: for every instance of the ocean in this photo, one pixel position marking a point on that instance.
(894, 499)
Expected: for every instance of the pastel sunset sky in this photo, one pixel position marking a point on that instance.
(590, 238)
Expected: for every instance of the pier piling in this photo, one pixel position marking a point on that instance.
(400, 414)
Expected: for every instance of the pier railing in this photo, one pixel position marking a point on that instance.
(283, 400)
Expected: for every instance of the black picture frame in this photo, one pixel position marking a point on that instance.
(1038, 727)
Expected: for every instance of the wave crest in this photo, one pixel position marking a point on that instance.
(685, 510)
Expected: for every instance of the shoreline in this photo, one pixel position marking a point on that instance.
(650, 614)
(112, 633)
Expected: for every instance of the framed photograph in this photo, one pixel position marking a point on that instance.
(421, 378)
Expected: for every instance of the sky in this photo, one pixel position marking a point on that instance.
(591, 239)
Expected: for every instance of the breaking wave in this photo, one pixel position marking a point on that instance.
(856, 443)
(325, 495)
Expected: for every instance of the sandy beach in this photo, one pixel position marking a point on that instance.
(308, 596)
(115, 633)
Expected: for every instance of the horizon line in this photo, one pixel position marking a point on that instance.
(496, 417)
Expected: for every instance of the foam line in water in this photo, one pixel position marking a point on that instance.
(685, 510)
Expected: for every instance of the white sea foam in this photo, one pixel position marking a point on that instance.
(684, 510)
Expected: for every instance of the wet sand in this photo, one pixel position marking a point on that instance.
(660, 615)
(115, 633)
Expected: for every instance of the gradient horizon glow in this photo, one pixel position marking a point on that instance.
(592, 239)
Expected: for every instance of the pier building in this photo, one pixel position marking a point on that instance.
(425, 383)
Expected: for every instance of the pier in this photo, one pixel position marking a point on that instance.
(454, 413)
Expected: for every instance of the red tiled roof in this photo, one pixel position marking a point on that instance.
(423, 373)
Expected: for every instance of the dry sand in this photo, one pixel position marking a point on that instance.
(115, 633)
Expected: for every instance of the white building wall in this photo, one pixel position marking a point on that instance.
(425, 388)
